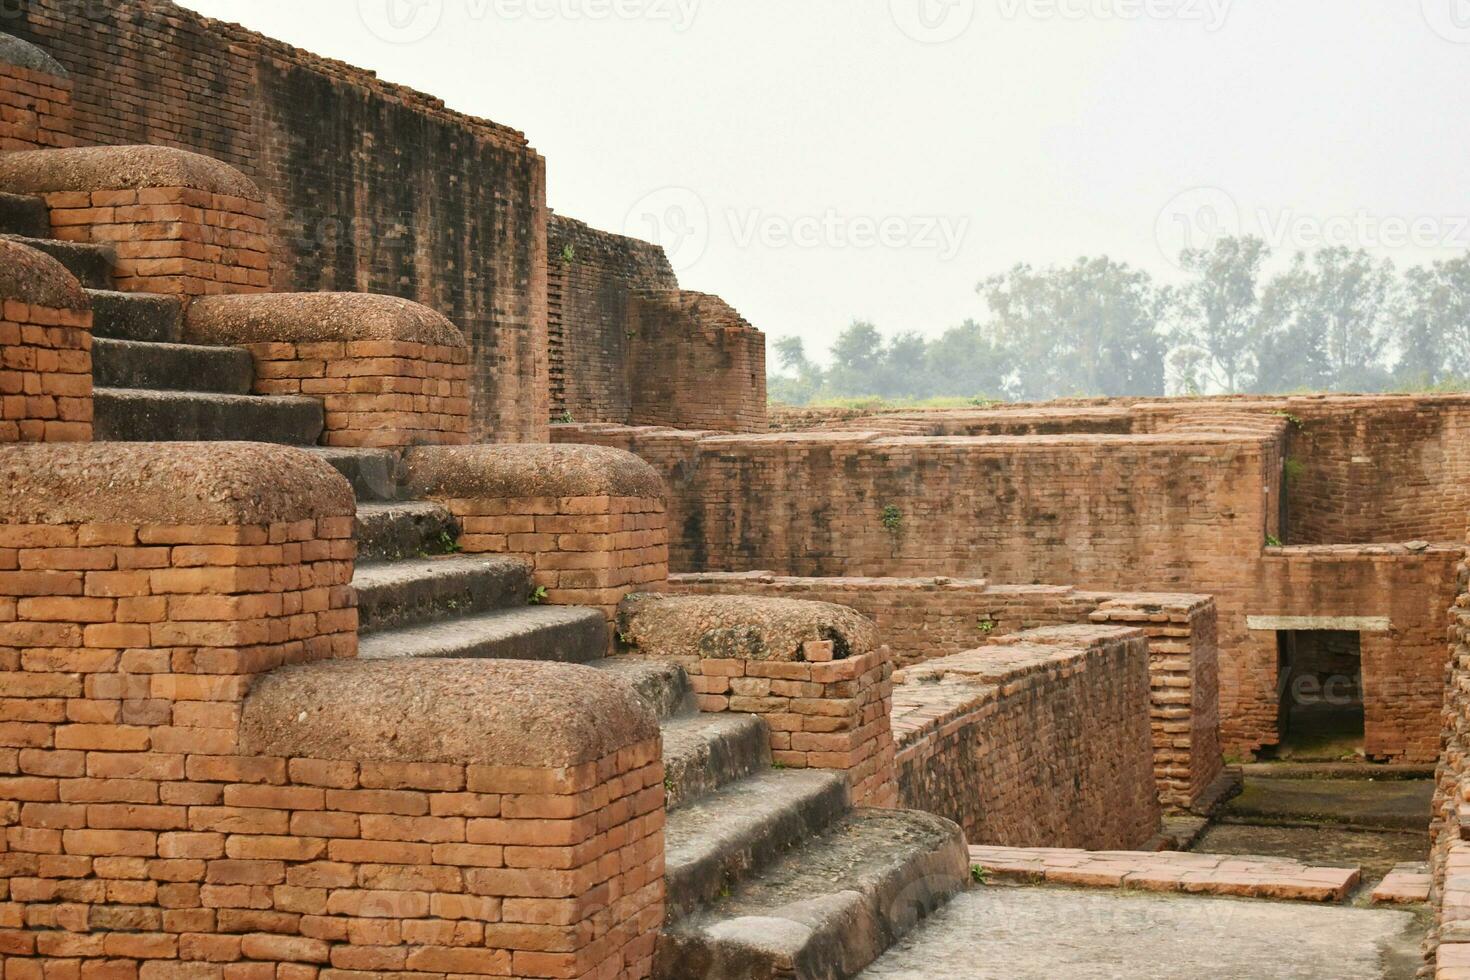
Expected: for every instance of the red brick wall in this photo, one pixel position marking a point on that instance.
(629, 347)
(928, 619)
(1185, 511)
(371, 187)
(35, 109)
(45, 373)
(173, 240)
(695, 363)
(1041, 744)
(590, 275)
(1449, 828)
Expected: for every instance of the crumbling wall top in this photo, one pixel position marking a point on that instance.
(33, 277)
(720, 627)
(24, 54)
(317, 318)
(468, 712)
(518, 471)
(168, 484)
(93, 168)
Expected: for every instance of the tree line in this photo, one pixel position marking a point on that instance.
(1332, 320)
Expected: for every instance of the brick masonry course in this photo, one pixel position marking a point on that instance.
(1044, 742)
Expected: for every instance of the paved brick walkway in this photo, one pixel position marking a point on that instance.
(1171, 871)
(1407, 884)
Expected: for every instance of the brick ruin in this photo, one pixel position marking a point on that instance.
(324, 653)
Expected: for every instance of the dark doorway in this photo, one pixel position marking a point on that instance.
(1321, 695)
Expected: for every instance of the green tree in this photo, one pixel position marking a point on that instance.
(1326, 324)
(1091, 328)
(800, 379)
(1218, 315)
(968, 362)
(1433, 331)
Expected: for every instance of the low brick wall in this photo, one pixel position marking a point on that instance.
(45, 350)
(1449, 829)
(1043, 743)
(926, 619)
(390, 373)
(590, 521)
(813, 672)
(179, 223)
(35, 99)
(197, 780)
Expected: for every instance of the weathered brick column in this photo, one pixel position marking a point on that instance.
(590, 520)
(197, 780)
(35, 98)
(179, 223)
(815, 672)
(390, 373)
(45, 350)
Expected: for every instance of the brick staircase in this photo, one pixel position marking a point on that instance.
(772, 873)
(416, 599)
(149, 386)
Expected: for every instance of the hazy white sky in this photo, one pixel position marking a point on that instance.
(813, 161)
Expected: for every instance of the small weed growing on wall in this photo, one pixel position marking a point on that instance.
(987, 625)
(538, 596)
(1272, 541)
(568, 254)
(979, 875)
(565, 418)
(1294, 469)
(1294, 420)
(892, 519)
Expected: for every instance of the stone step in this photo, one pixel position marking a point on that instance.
(24, 215)
(713, 843)
(144, 317)
(664, 687)
(92, 264)
(703, 753)
(126, 415)
(171, 367)
(400, 530)
(564, 634)
(828, 909)
(373, 473)
(394, 595)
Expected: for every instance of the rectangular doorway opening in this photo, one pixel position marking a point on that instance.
(1321, 676)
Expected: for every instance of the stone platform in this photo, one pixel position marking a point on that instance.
(1169, 871)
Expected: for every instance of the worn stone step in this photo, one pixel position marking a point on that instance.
(703, 753)
(145, 317)
(565, 634)
(25, 215)
(127, 415)
(713, 843)
(171, 367)
(373, 473)
(828, 909)
(663, 686)
(92, 264)
(394, 595)
(398, 530)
